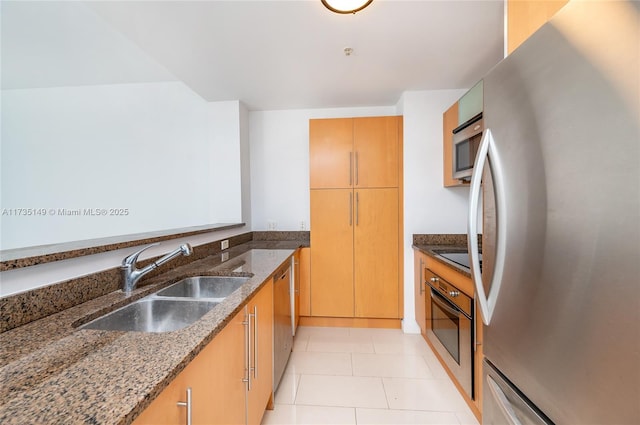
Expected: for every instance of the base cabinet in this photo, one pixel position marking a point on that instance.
(304, 269)
(230, 381)
(217, 391)
(419, 285)
(260, 385)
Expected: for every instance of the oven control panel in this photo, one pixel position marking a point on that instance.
(450, 292)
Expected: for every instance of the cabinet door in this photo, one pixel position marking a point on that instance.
(227, 394)
(197, 376)
(376, 282)
(332, 252)
(419, 290)
(305, 282)
(296, 289)
(375, 144)
(331, 153)
(261, 354)
(449, 122)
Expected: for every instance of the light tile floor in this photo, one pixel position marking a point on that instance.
(365, 376)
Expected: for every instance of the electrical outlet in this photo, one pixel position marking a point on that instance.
(224, 244)
(224, 256)
(302, 225)
(272, 225)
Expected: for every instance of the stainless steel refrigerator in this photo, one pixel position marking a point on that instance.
(557, 181)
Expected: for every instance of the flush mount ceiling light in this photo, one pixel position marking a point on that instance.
(346, 6)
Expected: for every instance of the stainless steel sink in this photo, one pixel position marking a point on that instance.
(153, 315)
(216, 287)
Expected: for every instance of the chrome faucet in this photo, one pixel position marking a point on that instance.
(131, 275)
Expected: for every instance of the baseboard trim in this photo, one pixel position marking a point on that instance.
(350, 322)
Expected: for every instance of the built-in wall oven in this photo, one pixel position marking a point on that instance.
(449, 314)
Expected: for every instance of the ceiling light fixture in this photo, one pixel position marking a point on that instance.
(346, 6)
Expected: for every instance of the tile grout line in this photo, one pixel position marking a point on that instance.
(297, 388)
(386, 396)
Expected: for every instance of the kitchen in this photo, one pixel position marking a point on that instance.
(277, 142)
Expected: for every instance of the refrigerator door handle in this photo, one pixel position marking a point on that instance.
(486, 151)
(503, 402)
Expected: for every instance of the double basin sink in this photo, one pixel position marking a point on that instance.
(172, 308)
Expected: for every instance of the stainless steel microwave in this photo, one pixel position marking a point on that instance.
(466, 141)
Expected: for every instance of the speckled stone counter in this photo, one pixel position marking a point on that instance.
(53, 372)
(432, 244)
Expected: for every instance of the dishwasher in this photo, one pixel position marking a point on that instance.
(282, 334)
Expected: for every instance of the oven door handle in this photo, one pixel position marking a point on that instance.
(445, 304)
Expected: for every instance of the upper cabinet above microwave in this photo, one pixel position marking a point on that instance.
(468, 107)
(470, 104)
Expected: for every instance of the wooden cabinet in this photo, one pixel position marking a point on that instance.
(227, 389)
(296, 289)
(449, 123)
(354, 152)
(332, 253)
(419, 264)
(376, 150)
(218, 377)
(305, 279)
(524, 17)
(375, 250)
(330, 153)
(260, 345)
(215, 378)
(355, 175)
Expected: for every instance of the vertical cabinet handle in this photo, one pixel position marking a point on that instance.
(356, 168)
(188, 404)
(247, 360)
(357, 207)
(350, 168)
(255, 341)
(350, 209)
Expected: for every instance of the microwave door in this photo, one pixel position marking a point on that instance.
(464, 156)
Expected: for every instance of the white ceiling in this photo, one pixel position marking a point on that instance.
(282, 54)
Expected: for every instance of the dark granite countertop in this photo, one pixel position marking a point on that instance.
(431, 244)
(431, 251)
(53, 372)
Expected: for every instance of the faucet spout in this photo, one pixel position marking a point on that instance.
(131, 275)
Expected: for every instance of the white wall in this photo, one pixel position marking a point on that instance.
(224, 189)
(429, 207)
(280, 163)
(150, 148)
(91, 121)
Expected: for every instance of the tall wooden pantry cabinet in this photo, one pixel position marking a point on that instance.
(356, 220)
